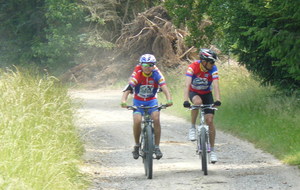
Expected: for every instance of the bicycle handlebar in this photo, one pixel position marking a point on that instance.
(203, 106)
(161, 106)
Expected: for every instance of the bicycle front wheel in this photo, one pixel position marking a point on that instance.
(148, 152)
(203, 144)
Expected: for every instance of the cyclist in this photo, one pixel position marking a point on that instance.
(144, 84)
(200, 76)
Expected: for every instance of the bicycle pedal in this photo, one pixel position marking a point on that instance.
(157, 158)
(141, 154)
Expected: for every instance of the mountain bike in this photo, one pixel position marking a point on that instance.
(203, 145)
(146, 148)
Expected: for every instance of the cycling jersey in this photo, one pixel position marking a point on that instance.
(145, 87)
(201, 80)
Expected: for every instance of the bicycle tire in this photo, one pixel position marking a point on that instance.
(203, 142)
(148, 152)
(143, 150)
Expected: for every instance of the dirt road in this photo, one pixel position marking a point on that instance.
(107, 132)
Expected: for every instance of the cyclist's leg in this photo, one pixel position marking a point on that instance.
(155, 115)
(196, 100)
(157, 133)
(209, 118)
(137, 120)
(212, 130)
(157, 128)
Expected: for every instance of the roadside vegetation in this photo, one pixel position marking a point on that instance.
(256, 113)
(40, 148)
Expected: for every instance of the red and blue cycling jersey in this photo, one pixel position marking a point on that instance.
(145, 87)
(201, 80)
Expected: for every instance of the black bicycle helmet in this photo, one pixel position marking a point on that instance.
(208, 55)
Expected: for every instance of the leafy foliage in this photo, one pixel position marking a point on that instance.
(20, 24)
(56, 33)
(264, 33)
(191, 14)
(61, 41)
(44, 32)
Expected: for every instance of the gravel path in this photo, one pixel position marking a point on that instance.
(107, 132)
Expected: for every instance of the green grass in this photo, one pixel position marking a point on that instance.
(256, 113)
(40, 148)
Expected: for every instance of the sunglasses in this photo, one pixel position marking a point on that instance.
(210, 61)
(148, 64)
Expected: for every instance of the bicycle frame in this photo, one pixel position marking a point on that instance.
(205, 126)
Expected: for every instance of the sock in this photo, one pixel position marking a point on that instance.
(156, 146)
(193, 126)
(212, 148)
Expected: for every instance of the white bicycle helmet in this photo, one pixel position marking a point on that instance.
(208, 55)
(147, 58)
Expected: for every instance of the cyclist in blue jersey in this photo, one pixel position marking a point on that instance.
(145, 84)
(201, 76)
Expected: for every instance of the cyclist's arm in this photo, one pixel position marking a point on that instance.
(216, 90)
(188, 81)
(167, 94)
(124, 98)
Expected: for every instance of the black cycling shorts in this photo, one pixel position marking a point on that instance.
(206, 99)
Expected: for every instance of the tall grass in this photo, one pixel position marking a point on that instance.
(39, 146)
(253, 112)
(259, 114)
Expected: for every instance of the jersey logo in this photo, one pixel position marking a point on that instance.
(145, 91)
(200, 83)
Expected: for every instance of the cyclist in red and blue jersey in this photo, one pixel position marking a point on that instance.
(144, 84)
(201, 76)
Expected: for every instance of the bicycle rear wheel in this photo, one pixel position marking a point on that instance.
(148, 152)
(203, 144)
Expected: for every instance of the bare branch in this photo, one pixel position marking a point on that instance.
(140, 32)
(186, 52)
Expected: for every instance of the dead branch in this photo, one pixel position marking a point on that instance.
(180, 57)
(145, 28)
(161, 19)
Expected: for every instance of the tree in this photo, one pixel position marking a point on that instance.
(20, 23)
(263, 33)
(61, 33)
(191, 14)
(39, 31)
